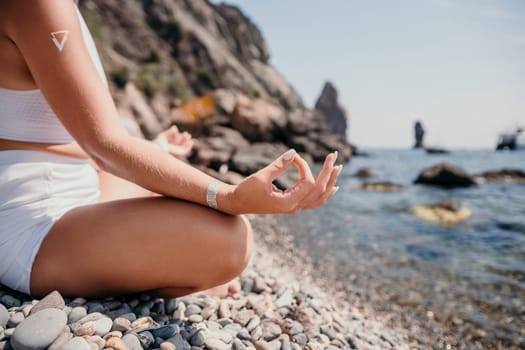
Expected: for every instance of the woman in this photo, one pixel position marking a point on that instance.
(56, 232)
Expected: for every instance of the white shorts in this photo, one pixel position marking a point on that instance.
(36, 189)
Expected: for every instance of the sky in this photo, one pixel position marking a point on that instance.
(456, 65)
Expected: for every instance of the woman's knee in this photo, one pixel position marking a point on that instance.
(238, 246)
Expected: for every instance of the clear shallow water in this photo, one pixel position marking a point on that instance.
(468, 279)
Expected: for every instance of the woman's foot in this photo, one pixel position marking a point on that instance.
(226, 290)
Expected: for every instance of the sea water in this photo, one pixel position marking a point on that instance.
(467, 279)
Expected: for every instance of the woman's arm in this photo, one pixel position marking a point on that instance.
(69, 81)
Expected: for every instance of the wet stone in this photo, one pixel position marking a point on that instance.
(179, 342)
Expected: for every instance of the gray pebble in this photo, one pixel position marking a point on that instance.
(132, 342)
(179, 342)
(76, 314)
(243, 317)
(52, 300)
(215, 344)
(103, 326)
(300, 339)
(130, 316)
(254, 322)
(329, 332)
(285, 342)
(259, 285)
(76, 343)
(270, 330)
(146, 339)
(285, 299)
(9, 301)
(91, 317)
(238, 345)
(197, 339)
(112, 304)
(195, 318)
(296, 328)
(165, 332)
(192, 310)
(224, 309)
(96, 307)
(4, 316)
(39, 330)
(244, 334)
(171, 305)
(78, 302)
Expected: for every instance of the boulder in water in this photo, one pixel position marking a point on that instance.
(445, 213)
(510, 176)
(446, 176)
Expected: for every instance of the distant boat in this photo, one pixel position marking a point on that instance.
(513, 140)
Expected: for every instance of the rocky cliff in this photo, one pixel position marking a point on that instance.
(206, 68)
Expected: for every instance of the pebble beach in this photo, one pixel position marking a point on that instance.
(282, 305)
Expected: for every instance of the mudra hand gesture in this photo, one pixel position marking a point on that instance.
(257, 194)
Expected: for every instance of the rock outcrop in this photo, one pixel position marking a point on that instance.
(206, 68)
(446, 176)
(419, 134)
(333, 112)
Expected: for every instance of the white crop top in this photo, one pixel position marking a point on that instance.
(25, 115)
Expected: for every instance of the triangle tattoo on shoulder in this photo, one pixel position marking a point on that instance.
(59, 39)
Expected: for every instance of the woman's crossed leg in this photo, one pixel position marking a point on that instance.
(162, 245)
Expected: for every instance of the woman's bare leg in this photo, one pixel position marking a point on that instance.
(144, 244)
(114, 188)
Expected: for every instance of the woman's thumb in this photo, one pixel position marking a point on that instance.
(279, 166)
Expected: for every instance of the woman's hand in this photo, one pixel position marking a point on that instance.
(174, 142)
(257, 194)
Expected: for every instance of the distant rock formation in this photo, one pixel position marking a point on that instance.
(419, 134)
(446, 176)
(334, 113)
(385, 186)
